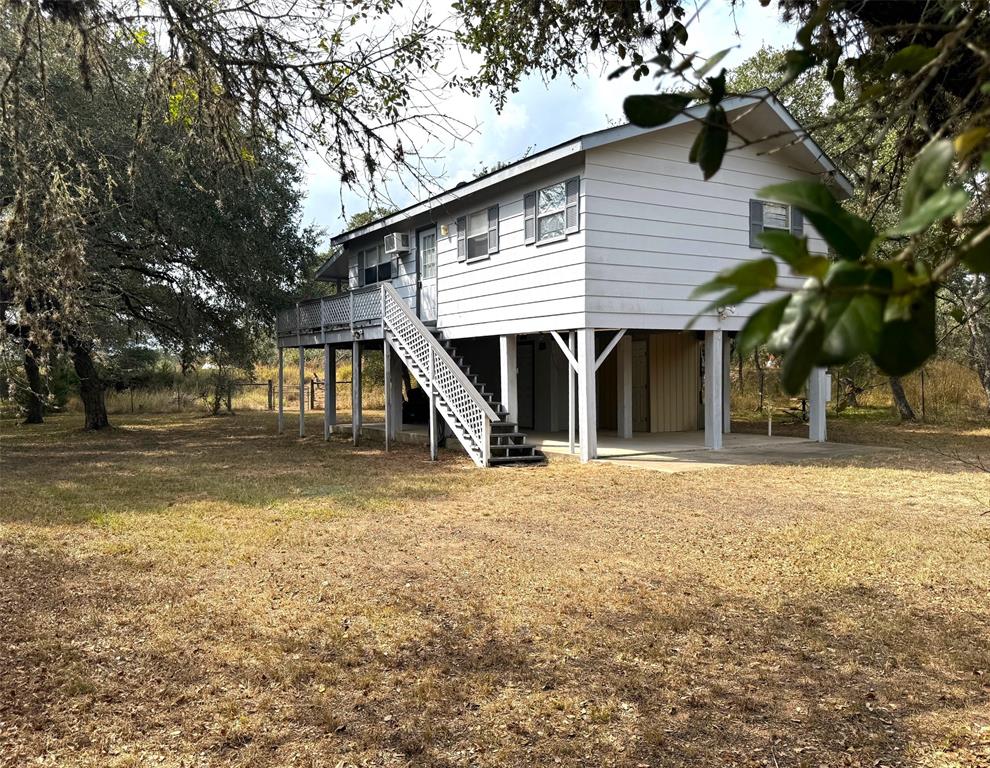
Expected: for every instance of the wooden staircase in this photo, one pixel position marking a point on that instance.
(508, 444)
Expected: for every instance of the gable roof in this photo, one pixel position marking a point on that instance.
(600, 138)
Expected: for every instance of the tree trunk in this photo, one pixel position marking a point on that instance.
(900, 399)
(35, 406)
(90, 385)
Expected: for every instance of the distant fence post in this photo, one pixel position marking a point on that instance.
(312, 394)
(271, 395)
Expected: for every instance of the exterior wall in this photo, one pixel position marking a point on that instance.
(655, 229)
(519, 289)
(674, 361)
(675, 382)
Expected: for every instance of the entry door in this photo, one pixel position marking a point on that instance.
(640, 386)
(525, 367)
(427, 265)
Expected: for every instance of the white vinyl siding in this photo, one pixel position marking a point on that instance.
(524, 287)
(655, 230)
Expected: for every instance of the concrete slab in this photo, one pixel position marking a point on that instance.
(686, 452)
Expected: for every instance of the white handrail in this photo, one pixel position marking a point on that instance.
(389, 290)
(475, 420)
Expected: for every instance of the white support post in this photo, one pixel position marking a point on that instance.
(355, 391)
(726, 384)
(587, 416)
(281, 389)
(387, 361)
(509, 374)
(624, 388)
(434, 434)
(329, 391)
(302, 392)
(817, 397)
(571, 393)
(713, 390)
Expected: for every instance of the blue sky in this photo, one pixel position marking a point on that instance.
(542, 114)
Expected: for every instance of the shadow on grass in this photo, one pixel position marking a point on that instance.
(57, 474)
(844, 677)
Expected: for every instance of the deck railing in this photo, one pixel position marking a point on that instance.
(464, 409)
(354, 309)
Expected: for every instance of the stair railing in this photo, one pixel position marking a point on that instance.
(446, 380)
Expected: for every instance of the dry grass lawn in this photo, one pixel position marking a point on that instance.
(196, 592)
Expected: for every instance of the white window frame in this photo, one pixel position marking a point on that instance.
(562, 210)
(787, 216)
(380, 258)
(468, 237)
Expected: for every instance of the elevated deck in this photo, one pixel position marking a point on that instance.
(336, 319)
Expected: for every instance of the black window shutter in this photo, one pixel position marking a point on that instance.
(572, 216)
(755, 223)
(462, 239)
(529, 217)
(493, 229)
(797, 222)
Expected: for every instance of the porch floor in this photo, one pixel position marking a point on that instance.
(685, 451)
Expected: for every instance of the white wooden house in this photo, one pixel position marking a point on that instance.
(555, 293)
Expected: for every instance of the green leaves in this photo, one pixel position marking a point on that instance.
(906, 344)
(794, 251)
(927, 175)
(651, 110)
(850, 236)
(946, 202)
(909, 60)
(740, 283)
(760, 325)
(710, 143)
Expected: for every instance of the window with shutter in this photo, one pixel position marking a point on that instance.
(551, 213)
(766, 215)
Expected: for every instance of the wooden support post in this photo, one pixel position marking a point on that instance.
(329, 390)
(713, 390)
(587, 415)
(396, 392)
(624, 421)
(434, 434)
(726, 384)
(509, 378)
(355, 390)
(312, 394)
(817, 399)
(271, 395)
(302, 392)
(572, 394)
(281, 388)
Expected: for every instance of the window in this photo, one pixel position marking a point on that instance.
(375, 265)
(550, 218)
(776, 216)
(551, 213)
(477, 235)
(764, 215)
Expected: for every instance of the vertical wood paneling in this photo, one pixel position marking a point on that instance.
(674, 382)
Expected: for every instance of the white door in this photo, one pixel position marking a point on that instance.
(427, 265)
(640, 386)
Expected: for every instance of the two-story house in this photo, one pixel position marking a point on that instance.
(554, 294)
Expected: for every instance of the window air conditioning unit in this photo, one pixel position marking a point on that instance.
(397, 242)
